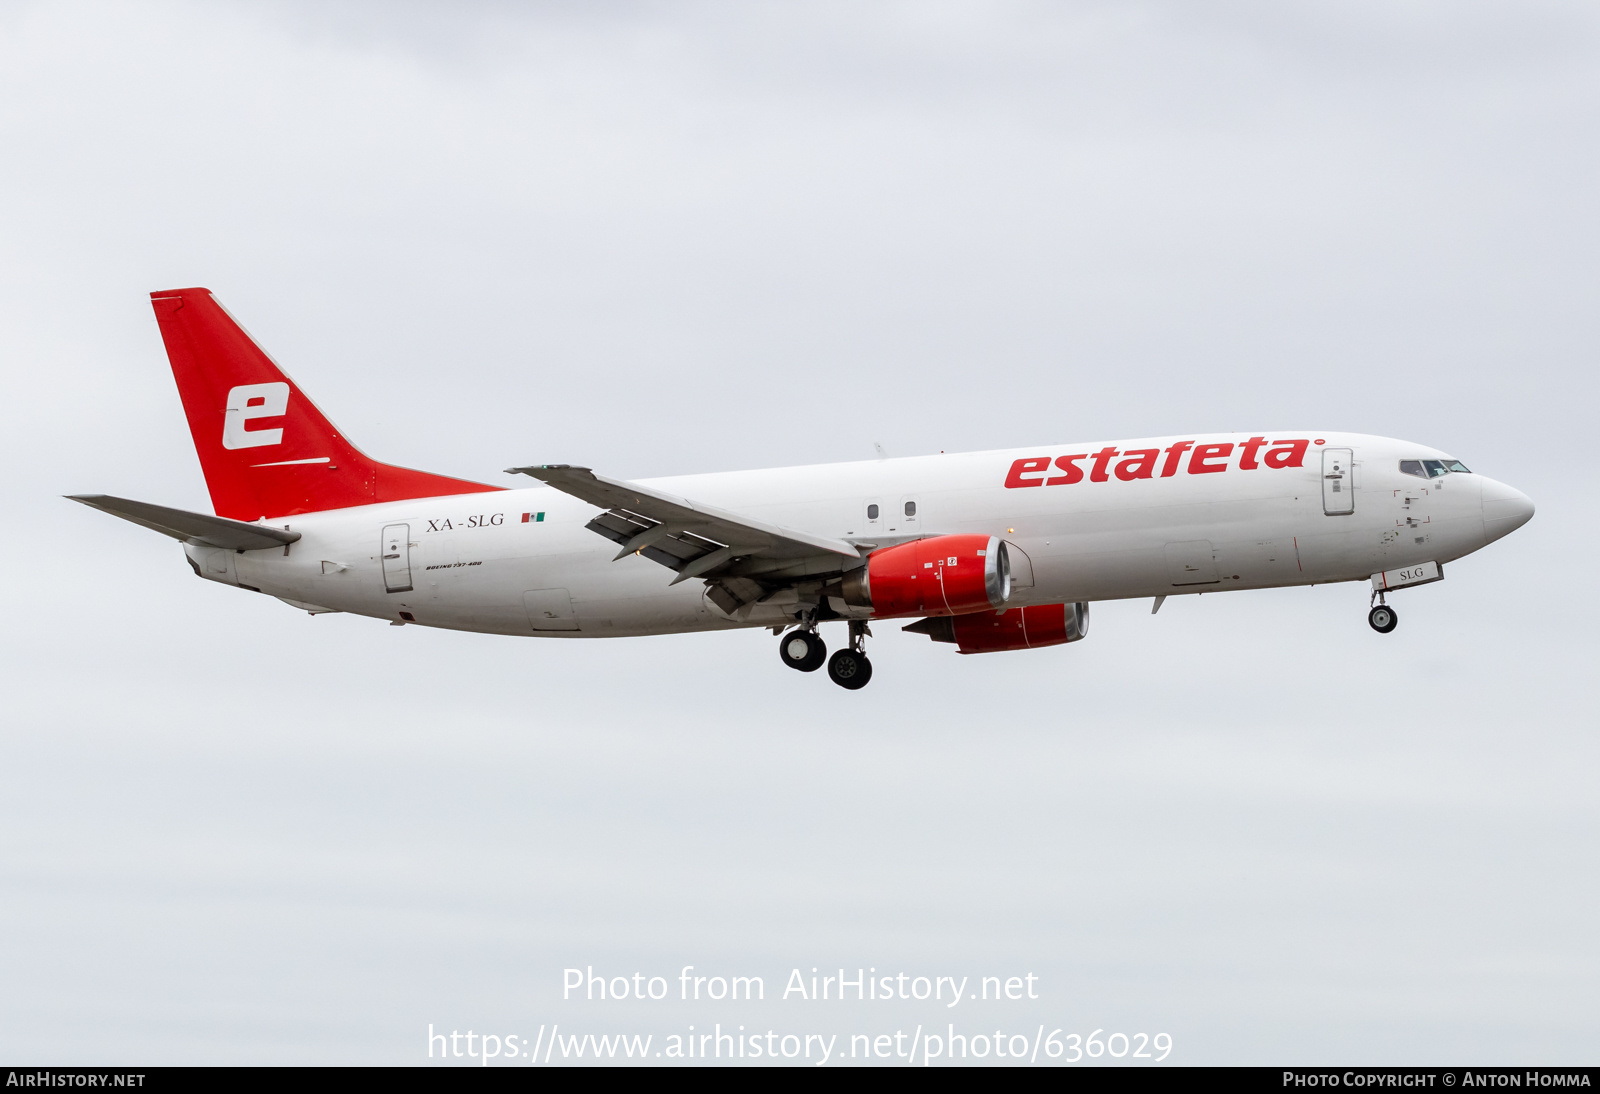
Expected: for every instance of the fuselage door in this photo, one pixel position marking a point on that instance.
(396, 556)
(1337, 497)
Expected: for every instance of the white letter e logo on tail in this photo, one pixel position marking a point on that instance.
(249, 401)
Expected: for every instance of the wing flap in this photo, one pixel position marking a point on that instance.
(740, 559)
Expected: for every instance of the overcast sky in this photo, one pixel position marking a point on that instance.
(673, 238)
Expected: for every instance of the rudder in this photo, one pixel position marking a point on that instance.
(265, 449)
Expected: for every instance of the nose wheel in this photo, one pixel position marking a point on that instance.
(1382, 619)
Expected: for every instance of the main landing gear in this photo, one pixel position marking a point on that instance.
(1382, 618)
(803, 649)
(849, 668)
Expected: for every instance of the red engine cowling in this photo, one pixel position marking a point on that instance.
(944, 575)
(1015, 629)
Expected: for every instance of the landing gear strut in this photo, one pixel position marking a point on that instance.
(803, 649)
(1382, 618)
(849, 668)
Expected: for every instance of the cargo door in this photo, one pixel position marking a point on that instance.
(396, 543)
(1191, 562)
(1338, 499)
(550, 610)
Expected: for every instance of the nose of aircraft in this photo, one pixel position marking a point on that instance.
(1504, 509)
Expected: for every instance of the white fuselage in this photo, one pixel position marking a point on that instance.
(477, 563)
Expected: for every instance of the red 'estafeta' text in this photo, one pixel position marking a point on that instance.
(1149, 463)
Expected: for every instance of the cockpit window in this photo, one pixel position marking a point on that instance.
(1432, 469)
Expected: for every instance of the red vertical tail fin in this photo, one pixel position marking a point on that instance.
(265, 448)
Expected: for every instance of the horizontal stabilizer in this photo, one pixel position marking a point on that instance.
(232, 535)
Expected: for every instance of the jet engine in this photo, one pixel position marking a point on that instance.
(1012, 629)
(939, 576)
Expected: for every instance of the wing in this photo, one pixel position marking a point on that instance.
(742, 559)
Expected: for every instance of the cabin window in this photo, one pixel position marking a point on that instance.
(872, 512)
(1413, 467)
(911, 508)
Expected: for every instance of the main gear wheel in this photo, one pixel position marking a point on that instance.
(802, 649)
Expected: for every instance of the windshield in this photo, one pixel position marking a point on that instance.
(1432, 469)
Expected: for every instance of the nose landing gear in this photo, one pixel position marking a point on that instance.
(1382, 618)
